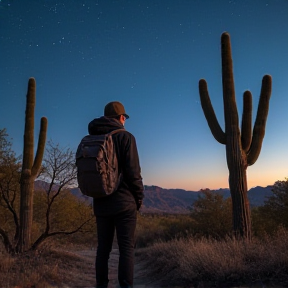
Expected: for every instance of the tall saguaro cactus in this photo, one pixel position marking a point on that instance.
(30, 167)
(242, 149)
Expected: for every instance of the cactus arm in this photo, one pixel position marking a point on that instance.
(260, 122)
(29, 127)
(209, 113)
(40, 148)
(230, 108)
(246, 125)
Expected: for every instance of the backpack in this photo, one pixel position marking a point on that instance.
(97, 165)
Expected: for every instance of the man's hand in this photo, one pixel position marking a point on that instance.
(139, 204)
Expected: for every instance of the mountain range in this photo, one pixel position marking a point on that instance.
(160, 200)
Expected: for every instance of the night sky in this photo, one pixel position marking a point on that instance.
(150, 55)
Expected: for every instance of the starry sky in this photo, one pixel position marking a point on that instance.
(150, 55)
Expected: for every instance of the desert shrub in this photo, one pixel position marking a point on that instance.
(262, 224)
(154, 228)
(273, 214)
(186, 262)
(277, 205)
(212, 215)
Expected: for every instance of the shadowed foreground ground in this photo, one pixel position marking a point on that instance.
(87, 279)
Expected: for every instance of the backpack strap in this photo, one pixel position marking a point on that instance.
(115, 131)
(111, 133)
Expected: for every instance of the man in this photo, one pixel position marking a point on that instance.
(118, 210)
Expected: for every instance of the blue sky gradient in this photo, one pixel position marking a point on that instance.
(150, 55)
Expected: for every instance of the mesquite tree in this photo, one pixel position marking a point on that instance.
(242, 148)
(10, 170)
(30, 167)
(60, 171)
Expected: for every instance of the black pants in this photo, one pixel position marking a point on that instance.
(125, 223)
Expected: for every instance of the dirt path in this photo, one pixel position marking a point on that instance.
(87, 278)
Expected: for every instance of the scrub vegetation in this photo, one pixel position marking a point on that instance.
(204, 251)
(198, 248)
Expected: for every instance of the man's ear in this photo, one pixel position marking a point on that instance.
(122, 119)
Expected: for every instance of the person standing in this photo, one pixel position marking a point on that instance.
(118, 211)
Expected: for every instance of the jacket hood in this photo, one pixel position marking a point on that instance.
(103, 125)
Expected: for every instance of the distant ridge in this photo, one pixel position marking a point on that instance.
(176, 201)
(256, 195)
(160, 200)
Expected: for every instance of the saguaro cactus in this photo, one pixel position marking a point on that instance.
(242, 149)
(30, 167)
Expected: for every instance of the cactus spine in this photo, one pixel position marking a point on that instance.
(242, 150)
(30, 167)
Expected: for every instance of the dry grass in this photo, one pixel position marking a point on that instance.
(49, 266)
(183, 263)
(225, 263)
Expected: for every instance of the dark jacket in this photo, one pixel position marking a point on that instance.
(130, 190)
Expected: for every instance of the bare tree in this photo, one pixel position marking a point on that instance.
(59, 172)
(10, 171)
